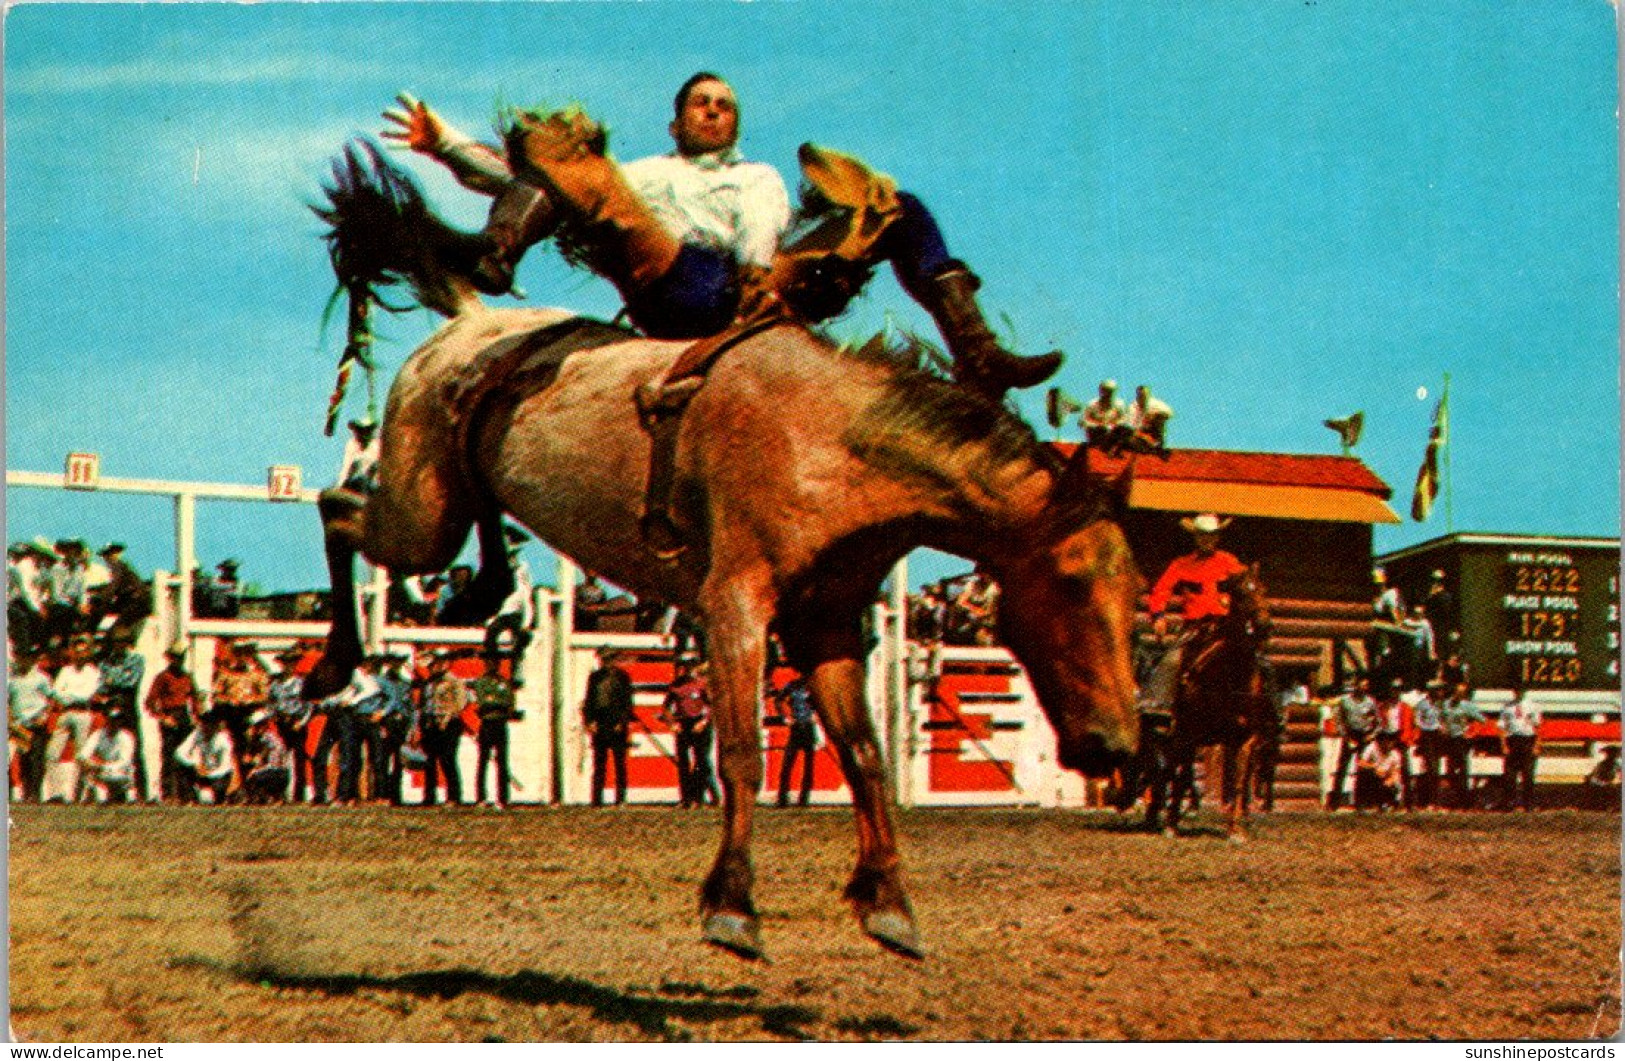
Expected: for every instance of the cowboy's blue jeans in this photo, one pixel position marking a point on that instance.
(699, 295)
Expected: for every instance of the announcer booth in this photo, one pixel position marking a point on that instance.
(1540, 613)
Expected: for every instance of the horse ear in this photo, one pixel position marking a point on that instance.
(1074, 478)
(1121, 485)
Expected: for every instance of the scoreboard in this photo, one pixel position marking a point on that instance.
(1559, 618)
(1536, 612)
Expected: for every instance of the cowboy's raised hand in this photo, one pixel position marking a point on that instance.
(420, 128)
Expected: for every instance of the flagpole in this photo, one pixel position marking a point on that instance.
(1449, 499)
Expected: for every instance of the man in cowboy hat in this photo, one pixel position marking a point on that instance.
(126, 596)
(1191, 582)
(695, 238)
(25, 604)
(172, 699)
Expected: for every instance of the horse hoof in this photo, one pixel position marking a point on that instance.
(895, 932)
(1169, 831)
(325, 679)
(736, 934)
(1238, 838)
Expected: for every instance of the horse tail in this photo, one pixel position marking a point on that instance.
(383, 234)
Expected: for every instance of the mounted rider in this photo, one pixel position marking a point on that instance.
(1193, 582)
(700, 238)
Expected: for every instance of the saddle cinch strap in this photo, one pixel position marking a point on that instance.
(660, 409)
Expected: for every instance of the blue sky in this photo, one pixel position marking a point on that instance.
(1271, 212)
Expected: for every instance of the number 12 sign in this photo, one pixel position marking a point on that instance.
(282, 482)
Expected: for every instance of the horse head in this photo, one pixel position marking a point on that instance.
(1249, 615)
(1066, 609)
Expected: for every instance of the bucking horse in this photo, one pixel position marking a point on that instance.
(800, 472)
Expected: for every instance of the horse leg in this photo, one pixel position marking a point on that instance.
(736, 613)
(411, 524)
(343, 519)
(1154, 775)
(1243, 763)
(1181, 781)
(494, 582)
(833, 652)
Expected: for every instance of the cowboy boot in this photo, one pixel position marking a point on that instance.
(979, 361)
(521, 217)
(563, 153)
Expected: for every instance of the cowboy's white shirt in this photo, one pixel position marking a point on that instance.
(717, 201)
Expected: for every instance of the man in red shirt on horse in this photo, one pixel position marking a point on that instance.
(1193, 582)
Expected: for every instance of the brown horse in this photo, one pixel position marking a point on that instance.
(1222, 702)
(803, 473)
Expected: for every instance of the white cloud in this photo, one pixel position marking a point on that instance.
(165, 72)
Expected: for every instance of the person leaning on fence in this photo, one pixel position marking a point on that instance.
(392, 728)
(172, 699)
(495, 703)
(68, 607)
(1520, 748)
(440, 729)
(688, 710)
(1457, 716)
(1428, 715)
(28, 695)
(796, 704)
(121, 673)
(1356, 726)
(291, 713)
(241, 688)
(25, 602)
(607, 712)
(126, 598)
(73, 690)
(1396, 720)
(342, 730)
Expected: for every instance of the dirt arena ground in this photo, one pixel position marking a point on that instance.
(293, 924)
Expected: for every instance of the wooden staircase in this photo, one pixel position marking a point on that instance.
(1307, 633)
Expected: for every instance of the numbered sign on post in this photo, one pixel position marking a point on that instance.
(83, 471)
(283, 481)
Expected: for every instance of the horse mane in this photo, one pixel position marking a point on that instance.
(921, 405)
(382, 234)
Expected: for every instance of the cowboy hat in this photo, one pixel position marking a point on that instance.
(111, 547)
(1205, 523)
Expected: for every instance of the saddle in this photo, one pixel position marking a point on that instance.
(504, 374)
(660, 409)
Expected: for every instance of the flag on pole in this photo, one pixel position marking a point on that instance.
(1427, 476)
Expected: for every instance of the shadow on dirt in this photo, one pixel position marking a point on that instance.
(652, 1014)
